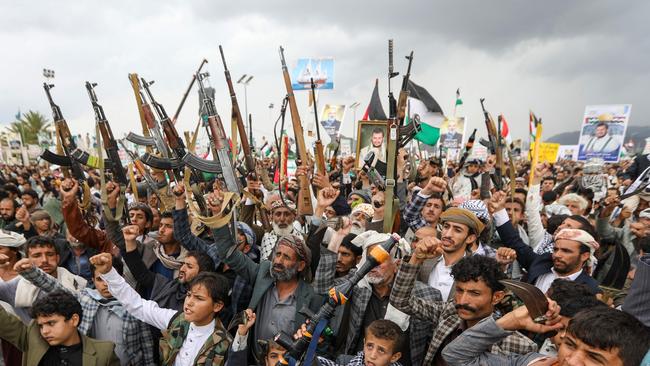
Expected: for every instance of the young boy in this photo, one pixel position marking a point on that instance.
(104, 318)
(194, 336)
(381, 346)
(52, 338)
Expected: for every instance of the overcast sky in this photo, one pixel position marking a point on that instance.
(553, 57)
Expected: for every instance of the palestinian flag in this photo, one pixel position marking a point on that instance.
(424, 108)
(459, 103)
(375, 111)
(532, 125)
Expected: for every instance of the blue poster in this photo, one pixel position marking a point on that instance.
(603, 130)
(320, 69)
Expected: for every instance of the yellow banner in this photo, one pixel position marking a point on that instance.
(547, 151)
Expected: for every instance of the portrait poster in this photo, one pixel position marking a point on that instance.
(452, 131)
(371, 137)
(331, 118)
(603, 130)
(568, 152)
(345, 147)
(320, 69)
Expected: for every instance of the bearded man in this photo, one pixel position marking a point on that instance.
(283, 217)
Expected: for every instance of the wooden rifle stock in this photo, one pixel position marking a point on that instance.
(304, 194)
(318, 147)
(241, 129)
(144, 121)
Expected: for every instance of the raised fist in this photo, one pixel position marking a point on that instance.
(505, 256)
(497, 202)
(130, 232)
(427, 248)
(103, 262)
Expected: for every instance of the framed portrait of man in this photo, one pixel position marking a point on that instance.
(371, 137)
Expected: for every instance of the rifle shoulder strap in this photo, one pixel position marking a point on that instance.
(389, 194)
(230, 199)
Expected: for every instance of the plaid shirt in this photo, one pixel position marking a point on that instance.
(355, 361)
(419, 329)
(241, 289)
(413, 212)
(443, 315)
(138, 341)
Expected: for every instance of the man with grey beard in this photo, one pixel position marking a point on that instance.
(370, 299)
(283, 215)
(281, 283)
(359, 218)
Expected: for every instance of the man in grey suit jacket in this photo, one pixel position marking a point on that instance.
(280, 286)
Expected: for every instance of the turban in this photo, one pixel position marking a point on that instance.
(581, 237)
(463, 216)
(286, 204)
(645, 214)
(11, 239)
(365, 208)
(247, 231)
(296, 243)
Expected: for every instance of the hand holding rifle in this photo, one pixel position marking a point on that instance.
(113, 194)
(69, 189)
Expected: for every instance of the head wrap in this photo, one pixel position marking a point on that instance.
(11, 239)
(581, 237)
(296, 243)
(556, 209)
(242, 227)
(479, 209)
(366, 208)
(463, 216)
(645, 214)
(287, 204)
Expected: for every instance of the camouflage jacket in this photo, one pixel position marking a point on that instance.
(213, 352)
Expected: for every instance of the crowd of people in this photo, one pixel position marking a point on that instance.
(92, 284)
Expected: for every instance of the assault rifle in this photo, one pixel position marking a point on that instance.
(304, 194)
(318, 147)
(494, 144)
(68, 164)
(140, 167)
(395, 124)
(222, 165)
(150, 122)
(248, 155)
(175, 142)
(72, 157)
(110, 145)
(468, 148)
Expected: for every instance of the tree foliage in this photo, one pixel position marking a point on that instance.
(30, 126)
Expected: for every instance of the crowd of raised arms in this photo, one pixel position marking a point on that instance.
(84, 286)
(391, 259)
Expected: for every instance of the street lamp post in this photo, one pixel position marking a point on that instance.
(245, 80)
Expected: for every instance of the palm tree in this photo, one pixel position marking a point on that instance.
(30, 126)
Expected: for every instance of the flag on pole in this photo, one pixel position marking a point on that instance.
(505, 131)
(375, 111)
(459, 102)
(424, 108)
(535, 157)
(532, 127)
